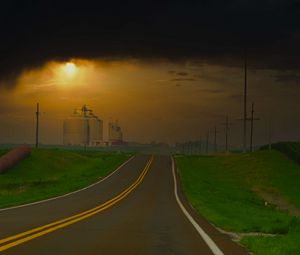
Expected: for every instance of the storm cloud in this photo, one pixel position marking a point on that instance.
(217, 32)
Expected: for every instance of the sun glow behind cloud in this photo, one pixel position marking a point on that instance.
(61, 76)
(70, 69)
(70, 74)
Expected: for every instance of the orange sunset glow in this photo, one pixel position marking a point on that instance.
(142, 96)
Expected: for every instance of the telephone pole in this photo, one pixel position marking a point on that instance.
(207, 140)
(200, 145)
(251, 132)
(270, 134)
(37, 126)
(226, 133)
(245, 105)
(227, 125)
(215, 140)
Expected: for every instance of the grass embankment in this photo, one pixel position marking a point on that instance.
(231, 191)
(49, 173)
(3, 151)
(290, 149)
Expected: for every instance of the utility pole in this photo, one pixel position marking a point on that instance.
(251, 133)
(200, 145)
(193, 149)
(270, 134)
(37, 126)
(226, 133)
(207, 139)
(227, 126)
(245, 105)
(215, 140)
(252, 120)
(186, 148)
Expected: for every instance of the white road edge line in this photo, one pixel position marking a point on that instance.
(211, 244)
(68, 194)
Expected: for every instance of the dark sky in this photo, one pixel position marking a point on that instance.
(217, 32)
(167, 70)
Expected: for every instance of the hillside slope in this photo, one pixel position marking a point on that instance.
(247, 194)
(290, 149)
(52, 172)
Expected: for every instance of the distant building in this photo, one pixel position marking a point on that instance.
(115, 135)
(83, 128)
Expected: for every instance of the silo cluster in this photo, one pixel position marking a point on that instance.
(115, 134)
(83, 128)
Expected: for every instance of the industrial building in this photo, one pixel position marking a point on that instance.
(115, 135)
(83, 128)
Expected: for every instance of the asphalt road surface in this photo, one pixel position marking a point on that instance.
(134, 211)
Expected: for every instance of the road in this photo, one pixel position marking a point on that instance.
(135, 212)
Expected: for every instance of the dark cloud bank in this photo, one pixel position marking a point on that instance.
(33, 32)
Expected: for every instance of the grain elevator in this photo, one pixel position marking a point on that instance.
(83, 128)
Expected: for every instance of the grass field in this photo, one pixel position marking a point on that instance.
(290, 149)
(49, 172)
(246, 193)
(3, 151)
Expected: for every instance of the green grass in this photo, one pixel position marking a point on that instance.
(290, 149)
(221, 188)
(3, 151)
(278, 245)
(48, 173)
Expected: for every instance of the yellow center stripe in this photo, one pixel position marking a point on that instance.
(43, 230)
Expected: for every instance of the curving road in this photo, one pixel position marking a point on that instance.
(132, 212)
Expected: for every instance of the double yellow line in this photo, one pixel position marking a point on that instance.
(26, 236)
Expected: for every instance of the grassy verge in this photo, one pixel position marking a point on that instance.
(228, 191)
(290, 149)
(3, 151)
(49, 173)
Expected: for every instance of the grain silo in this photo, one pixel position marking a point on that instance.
(115, 134)
(83, 128)
(95, 129)
(75, 131)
